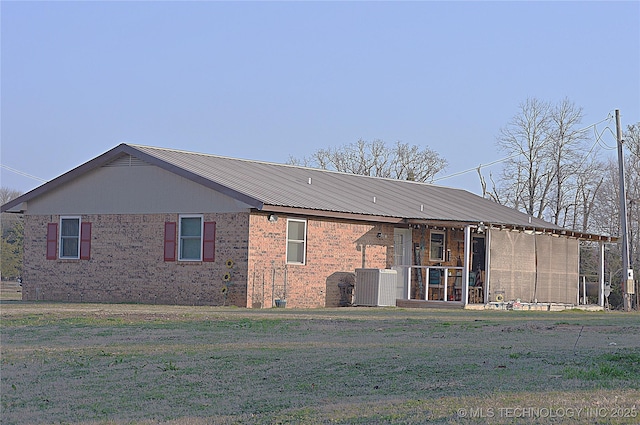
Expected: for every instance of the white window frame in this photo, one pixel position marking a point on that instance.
(181, 238)
(297, 241)
(60, 237)
(444, 245)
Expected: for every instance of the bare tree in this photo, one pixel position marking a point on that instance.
(588, 183)
(12, 232)
(526, 179)
(7, 194)
(410, 162)
(401, 161)
(632, 174)
(8, 221)
(550, 172)
(565, 142)
(605, 215)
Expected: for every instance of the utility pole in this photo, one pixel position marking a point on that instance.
(627, 271)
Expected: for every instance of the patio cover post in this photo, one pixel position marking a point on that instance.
(601, 276)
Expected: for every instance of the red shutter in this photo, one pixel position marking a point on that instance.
(52, 241)
(209, 241)
(170, 241)
(85, 241)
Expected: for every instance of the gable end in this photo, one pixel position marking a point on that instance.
(125, 160)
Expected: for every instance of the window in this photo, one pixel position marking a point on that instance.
(70, 237)
(197, 239)
(296, 241)
(436, 252)
(73, 242)
(190, 238)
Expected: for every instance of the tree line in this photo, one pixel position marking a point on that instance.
(12, 243)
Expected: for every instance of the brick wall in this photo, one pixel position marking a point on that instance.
(334, 249)
(127, 263)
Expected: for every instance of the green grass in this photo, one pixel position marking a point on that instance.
(622, 365)
(130, 364)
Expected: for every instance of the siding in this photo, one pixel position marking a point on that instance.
(132, 190)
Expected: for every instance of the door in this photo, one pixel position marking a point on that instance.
(477, 275)
(402, 261)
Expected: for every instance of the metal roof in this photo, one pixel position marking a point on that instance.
(269, 186)
(291, 186)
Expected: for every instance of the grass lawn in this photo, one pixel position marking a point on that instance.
(140, 364)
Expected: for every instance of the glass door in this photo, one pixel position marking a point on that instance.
(402, 261)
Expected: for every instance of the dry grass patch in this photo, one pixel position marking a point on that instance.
(121, 364)
(10, 290)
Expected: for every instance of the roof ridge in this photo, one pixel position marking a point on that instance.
(279, 164)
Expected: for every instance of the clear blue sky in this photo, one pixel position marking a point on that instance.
(270, 80)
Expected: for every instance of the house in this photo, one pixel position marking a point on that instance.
(152, 225)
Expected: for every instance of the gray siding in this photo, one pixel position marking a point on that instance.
(136, 189)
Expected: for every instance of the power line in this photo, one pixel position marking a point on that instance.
(598, 139)
(459, 173)
(22, 173)
(584, 159)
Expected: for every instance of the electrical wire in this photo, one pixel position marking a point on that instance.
(589, 127)
(459, 173)
(22, 173)
(599, 140)
(584, 159)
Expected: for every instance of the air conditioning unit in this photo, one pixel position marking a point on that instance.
(375, 287)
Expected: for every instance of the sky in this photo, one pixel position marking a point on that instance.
(273, 80)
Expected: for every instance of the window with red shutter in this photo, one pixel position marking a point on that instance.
(52, 241)
(209, 242)
(170, 241)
